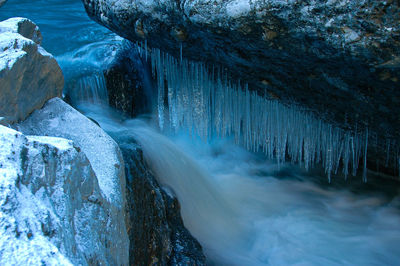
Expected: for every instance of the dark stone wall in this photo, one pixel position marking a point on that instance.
(155, 228)
(129, 83)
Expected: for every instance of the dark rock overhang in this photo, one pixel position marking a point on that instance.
(339, 59)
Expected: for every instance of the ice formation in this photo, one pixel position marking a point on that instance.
(208, 104)
(203, 100)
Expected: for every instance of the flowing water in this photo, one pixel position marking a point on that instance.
(243, 208)
(81, 47)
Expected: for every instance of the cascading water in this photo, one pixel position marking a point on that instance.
(246, 211)
(91, 89)
(243, 208)
(81, 47)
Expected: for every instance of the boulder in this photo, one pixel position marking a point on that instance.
(129, 82)
(52, 211)
(2, 2)
(58, 119)
(156, 231)
(29, 76)
(340, 59)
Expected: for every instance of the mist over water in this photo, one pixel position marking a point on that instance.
(245, 210)
(242, 208)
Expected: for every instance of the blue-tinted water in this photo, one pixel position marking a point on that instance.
(80, 45)
(276, 217)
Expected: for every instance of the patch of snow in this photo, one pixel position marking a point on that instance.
(238, 8)
(11, 45)
(329, 23)
(43, 52)
(350, 35)
(22, 214)
(59, 143)
(58, 119)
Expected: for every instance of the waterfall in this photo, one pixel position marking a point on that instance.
(90, 89)
(244, 211)
(213, 219)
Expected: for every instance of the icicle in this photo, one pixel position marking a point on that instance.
(398, 163)
(145, 48)
(206, 103)
(181, 53)
(387, 152)
(365, 156)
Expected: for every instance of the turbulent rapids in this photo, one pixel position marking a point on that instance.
(246, 211)
(250, 208)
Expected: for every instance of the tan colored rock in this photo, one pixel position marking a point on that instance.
(29, 76)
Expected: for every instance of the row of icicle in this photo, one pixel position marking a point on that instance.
(205, 102)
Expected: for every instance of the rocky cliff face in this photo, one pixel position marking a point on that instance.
(29, 76)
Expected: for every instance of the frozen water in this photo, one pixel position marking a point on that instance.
(205, 102)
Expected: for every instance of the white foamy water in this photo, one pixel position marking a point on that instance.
(245, 211)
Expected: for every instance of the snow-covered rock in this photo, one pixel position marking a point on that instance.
(29, 75)
(52, 211)
(58, 119)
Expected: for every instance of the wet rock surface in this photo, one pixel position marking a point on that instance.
(154, 224)
(156, 232)
(129, 85)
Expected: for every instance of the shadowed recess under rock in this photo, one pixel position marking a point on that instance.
(205, 102)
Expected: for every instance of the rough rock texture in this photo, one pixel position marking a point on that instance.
(156, 231)
(52, 211)
(29, 76)
(58, 119)
(340, 58)
(155, 228)
(129, 83)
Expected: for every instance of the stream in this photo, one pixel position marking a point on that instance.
(243, 208)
